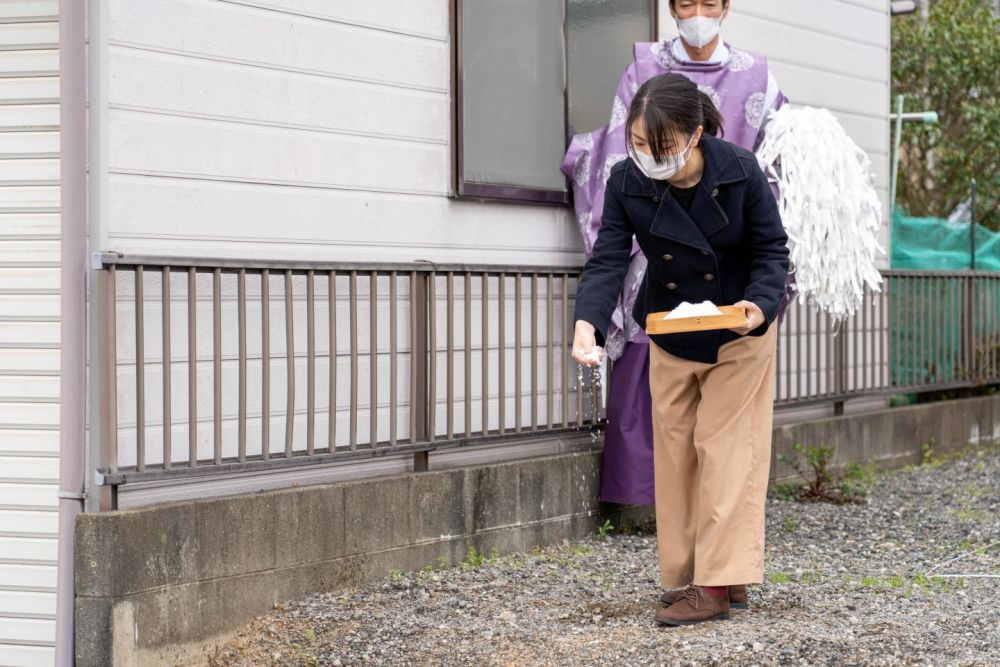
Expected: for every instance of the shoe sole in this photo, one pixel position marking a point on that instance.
(717, 617)
(738, 606)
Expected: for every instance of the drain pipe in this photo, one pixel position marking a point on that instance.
(73, 309)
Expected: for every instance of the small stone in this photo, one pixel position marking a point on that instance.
(758, 647)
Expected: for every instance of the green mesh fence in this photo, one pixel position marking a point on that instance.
(946, 325)
(934, 244)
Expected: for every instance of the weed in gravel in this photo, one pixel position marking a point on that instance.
(869, 582)
(974, 490)
(425, 574)
(605, 529)
(308, 656)
(941, 584)
(789, 525)
(857, 479)
(927, 452)
(473, 558)
(785, 491)
(779, 577)
(821, 484)
(965, 514)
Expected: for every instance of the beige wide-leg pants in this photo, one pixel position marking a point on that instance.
(711, 459)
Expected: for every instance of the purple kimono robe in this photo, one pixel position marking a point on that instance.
(739, 84)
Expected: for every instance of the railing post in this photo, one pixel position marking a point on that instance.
(107, 369)
(420, 351)
(840, 369)
(969, 328)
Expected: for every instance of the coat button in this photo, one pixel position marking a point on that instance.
(655, 199)
(671, 286)
(715, 192)
(668, 257)
(709, 277)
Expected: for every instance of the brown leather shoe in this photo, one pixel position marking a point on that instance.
(737, 597)
(695, 606)
(673, 596)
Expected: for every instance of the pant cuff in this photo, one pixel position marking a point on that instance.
(731, 577)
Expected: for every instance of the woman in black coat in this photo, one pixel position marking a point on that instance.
(704, 216)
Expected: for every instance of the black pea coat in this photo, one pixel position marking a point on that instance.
(730, 247)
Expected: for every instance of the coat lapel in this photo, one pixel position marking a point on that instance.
(722, 167)
(673, 222)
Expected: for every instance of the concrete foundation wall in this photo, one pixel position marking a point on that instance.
(167, 584)
(894, 437)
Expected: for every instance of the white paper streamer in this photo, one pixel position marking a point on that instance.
(828, 205)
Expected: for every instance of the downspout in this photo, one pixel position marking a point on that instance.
(73, 309)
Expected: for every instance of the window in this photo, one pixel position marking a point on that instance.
(528, 74)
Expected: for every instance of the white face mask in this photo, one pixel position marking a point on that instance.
(698, 31)
(671, 163)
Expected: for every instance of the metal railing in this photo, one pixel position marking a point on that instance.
(924, 331)
(389, 359)
(410, 358)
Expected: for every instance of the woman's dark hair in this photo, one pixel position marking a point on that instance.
(671, 104)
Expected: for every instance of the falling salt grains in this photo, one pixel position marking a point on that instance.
(594, 385)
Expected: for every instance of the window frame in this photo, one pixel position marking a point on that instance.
(511, 194)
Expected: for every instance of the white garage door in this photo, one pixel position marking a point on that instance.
(29, 328)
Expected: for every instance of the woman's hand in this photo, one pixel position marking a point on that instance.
(585, 349)
(755, 317)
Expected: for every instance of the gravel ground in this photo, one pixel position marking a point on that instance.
(847, 585)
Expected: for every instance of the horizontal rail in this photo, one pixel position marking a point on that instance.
(411, 358)
(106, 259)
(303, 459)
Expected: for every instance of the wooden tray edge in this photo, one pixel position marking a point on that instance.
(732, 318)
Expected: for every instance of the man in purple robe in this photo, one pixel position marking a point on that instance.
(745, 92)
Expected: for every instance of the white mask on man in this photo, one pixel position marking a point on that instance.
(698, 31)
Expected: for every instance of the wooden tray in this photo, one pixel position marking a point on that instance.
(732, 317)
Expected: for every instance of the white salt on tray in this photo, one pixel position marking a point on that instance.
(703, 309)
